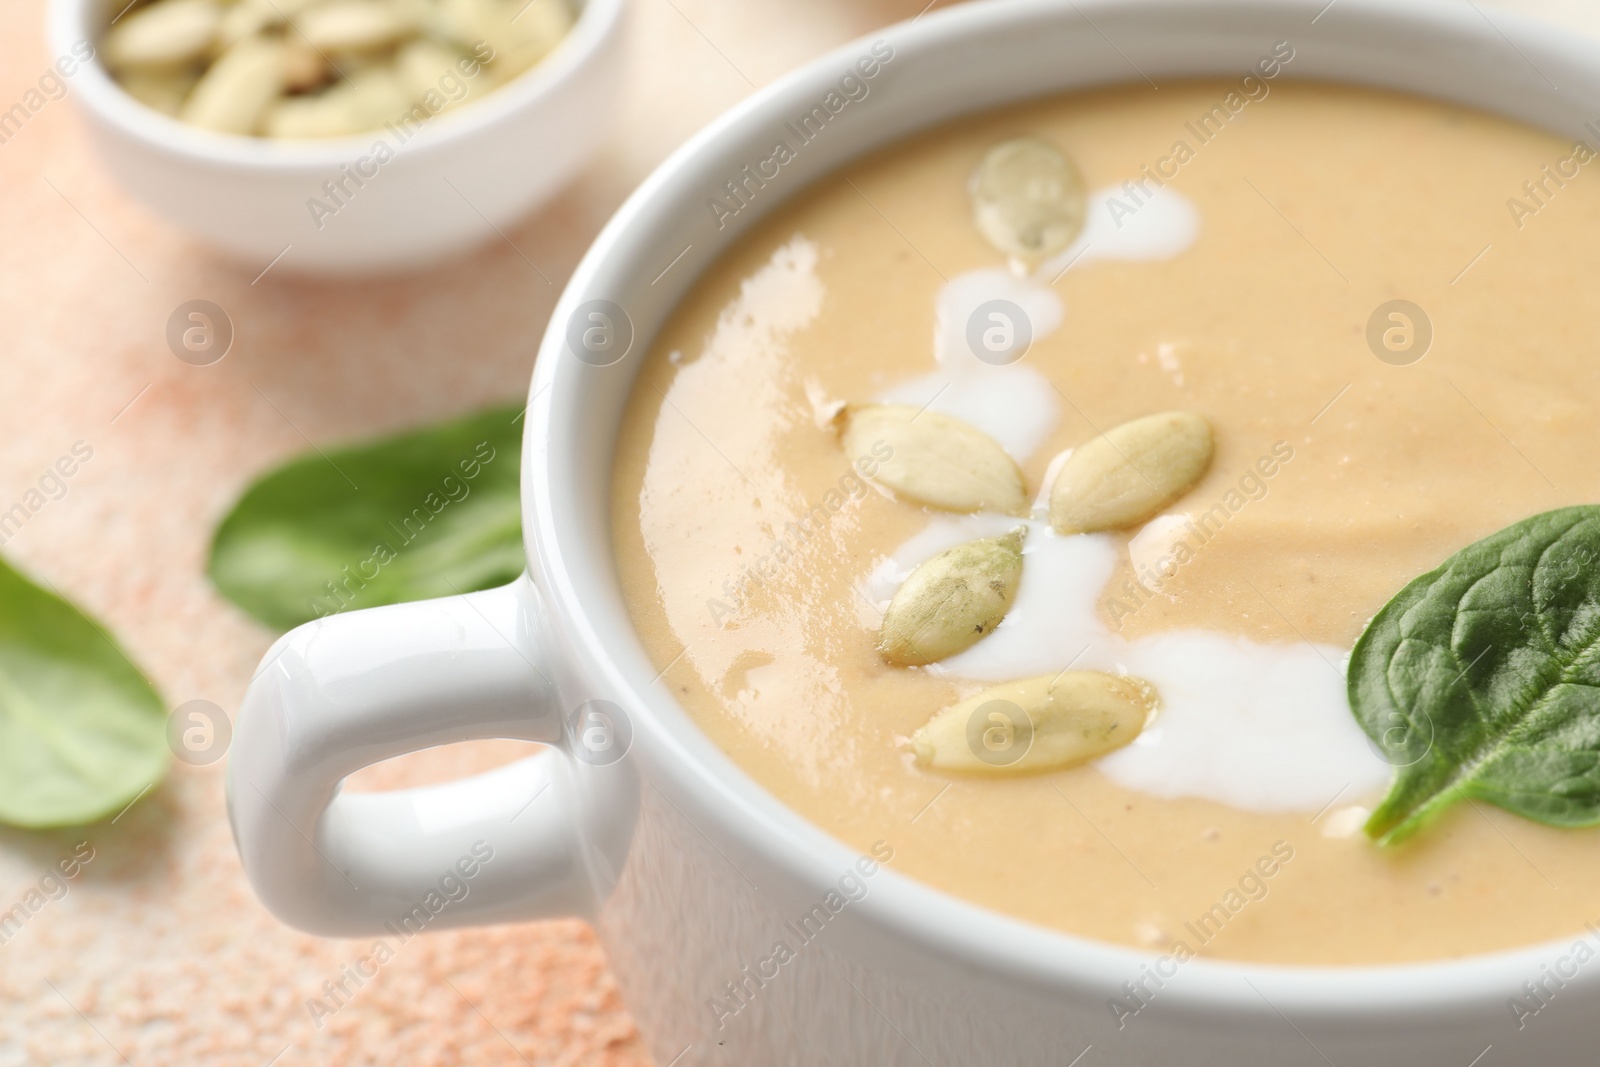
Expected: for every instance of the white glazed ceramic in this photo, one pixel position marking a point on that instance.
(690, 871)
(451, 185)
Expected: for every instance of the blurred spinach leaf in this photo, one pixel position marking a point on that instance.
(413, 515)
(82, 732)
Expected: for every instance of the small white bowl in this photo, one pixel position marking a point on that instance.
(452, 184)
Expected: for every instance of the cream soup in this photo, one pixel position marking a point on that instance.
(757, 563)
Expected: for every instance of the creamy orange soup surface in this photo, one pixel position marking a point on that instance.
(746, 544)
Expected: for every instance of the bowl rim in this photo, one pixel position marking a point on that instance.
(72, 21)
(1323, 996)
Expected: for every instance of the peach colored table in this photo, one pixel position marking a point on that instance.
(159, 954)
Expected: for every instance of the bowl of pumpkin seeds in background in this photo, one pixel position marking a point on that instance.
(323, 68)
(343, 136)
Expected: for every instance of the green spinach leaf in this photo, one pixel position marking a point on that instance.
(1481, 679)
(82, 733)
(419, 514)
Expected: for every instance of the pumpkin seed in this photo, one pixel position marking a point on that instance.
(325, 114)
(163, 90)
(353, 25)
(1130, 472)
(377, 96)
(168, 33)
(933, 458)
(528, 37)
(422, 64)
(1037, 724)
(1028, 198)
(234, 95)
(950, 602)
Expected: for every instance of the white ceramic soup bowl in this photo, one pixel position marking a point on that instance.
(435, 189)
(691, 872)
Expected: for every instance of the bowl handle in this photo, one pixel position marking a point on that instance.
(349, 690)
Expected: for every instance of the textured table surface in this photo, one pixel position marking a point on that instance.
(159, 953)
